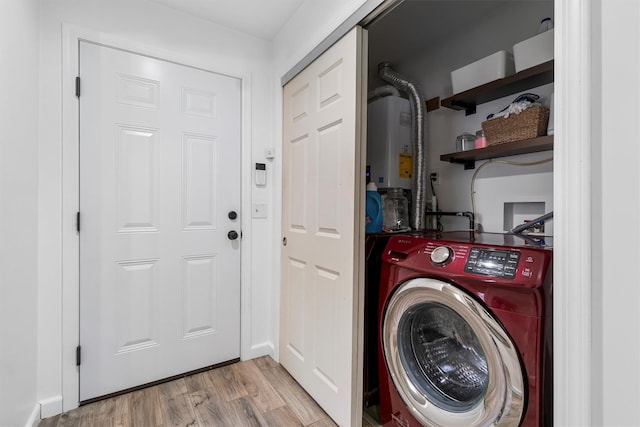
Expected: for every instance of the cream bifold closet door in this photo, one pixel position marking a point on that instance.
(323, 197)
(159, 177)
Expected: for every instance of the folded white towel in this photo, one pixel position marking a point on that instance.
(515, 108)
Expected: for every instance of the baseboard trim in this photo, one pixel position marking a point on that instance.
(34, 418)
(262, 349)
(50, 406)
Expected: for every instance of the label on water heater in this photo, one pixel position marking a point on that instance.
(405, 166)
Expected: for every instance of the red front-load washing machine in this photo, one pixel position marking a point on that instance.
(466, 330)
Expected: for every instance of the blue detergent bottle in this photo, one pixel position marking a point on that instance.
(373, 209)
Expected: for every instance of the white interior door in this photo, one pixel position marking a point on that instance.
(159, 175)
(323, 194)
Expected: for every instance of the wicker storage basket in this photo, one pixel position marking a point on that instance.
(530, 123)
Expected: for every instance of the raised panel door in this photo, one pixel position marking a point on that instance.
(323, 192)
(159, 171)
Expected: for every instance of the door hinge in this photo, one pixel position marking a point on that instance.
(78, 86)
(78, 355)
(78, 222)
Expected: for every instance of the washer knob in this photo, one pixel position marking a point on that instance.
(441, 255)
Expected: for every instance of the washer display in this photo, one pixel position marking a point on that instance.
(493, 263)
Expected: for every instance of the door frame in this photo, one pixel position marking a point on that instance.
(70, 250)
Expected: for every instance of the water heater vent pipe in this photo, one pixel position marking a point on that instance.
(418, 109)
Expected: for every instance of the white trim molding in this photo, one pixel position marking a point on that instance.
(50, 406)
(34, 418)
(572, 205)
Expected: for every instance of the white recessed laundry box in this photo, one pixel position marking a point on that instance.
(493, 67)
(533, 51)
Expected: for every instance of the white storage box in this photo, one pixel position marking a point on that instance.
(485, 70)
(533, 51)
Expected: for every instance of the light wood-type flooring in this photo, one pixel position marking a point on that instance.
(256, 392)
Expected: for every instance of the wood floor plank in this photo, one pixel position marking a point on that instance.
(177, 411)
(96, 420)
(197, 382)
(121, 406)
(257, 386)
(173, 388)
(105, 408)
(87, 420)
(209, 412)
(227, 383)
(265, 362)
(324, 422)
(209, 396)
(144, 407)
(50, 421)
(122, 421)
(74, 417)
(244, 413)
(282, 416)
(305, 408)
(371, 417)
(66, 419)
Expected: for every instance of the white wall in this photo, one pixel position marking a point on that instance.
(186, 39)
(496, 184)
(18, 210)
(616, 203)
(311, 23)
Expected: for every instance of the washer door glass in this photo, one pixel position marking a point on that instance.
(451, 361)
(443, 356)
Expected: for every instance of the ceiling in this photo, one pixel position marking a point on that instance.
(259, 18)
(424, 23)
(420, 19)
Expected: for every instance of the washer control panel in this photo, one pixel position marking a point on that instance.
(492, 262)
